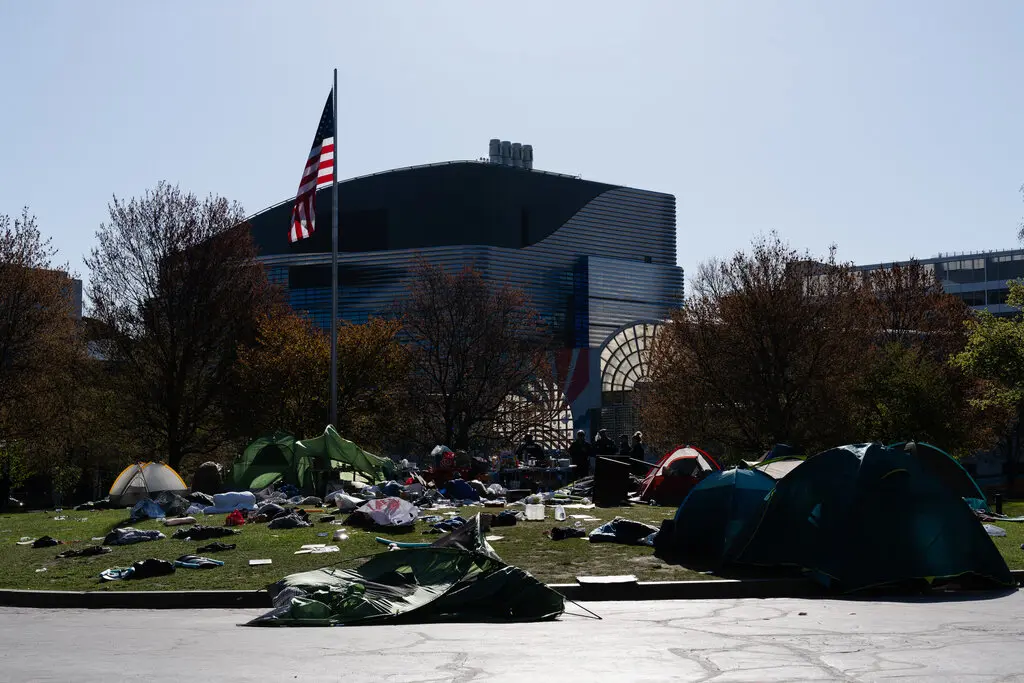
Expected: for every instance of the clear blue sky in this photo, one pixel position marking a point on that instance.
(892, 129)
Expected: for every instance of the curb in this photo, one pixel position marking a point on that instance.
(135, 599)
(586, 592)
(691, 590)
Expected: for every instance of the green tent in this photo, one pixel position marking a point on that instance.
(279, 459)
(267, 460)
(339, 453)
(458, 578)
(946, 468)
(716, 519)
(864, 515)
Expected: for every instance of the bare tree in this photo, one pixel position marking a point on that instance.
(38, 341)
(175, 281)
(765, 351)
(472, 345)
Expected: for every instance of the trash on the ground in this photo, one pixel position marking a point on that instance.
(197, 562)
(25, 540)
(179, 521)
(60, 518)
(562, 533)
(143, 569)
(202, 533)
(323, 534)
(129, 535)
(993, 530)
(624, 531)
(604, 580)
(493, 538)
(317, 549)
(256, 563)
(234, 518)
(216, 547)
(340, 535)
(41, 570)
(88, 551)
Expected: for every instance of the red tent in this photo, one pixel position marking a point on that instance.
(680, 470)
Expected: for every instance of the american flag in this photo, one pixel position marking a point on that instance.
(319, 172)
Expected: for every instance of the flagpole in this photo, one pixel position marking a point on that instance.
(334, 263)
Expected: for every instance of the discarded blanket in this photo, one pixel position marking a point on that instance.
(228, 502)
(624, 531)
(200, 498)
(268, 512)
(171, 503)
(129, 535)
(45, 542)
(560, 533)
(290, 521)
(458, 578)
(505, 518)
(447, 525)
(343, 501)
(88, 551)
(143, 569)
(990, 529)
(458, 489)
(202, 533)
(197, 562)
(147, 508)
(216, 547)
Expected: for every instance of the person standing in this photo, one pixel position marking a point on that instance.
(604, 445)
(624, 447)
(637, 451)
(579, 454)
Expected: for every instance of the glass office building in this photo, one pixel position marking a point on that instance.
(598, 261)
(977, 278)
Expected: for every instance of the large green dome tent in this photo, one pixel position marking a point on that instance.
(946, 468)
(716, 519)
(864, 515)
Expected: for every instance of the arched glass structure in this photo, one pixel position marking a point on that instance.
(625, 357)
(540, 410)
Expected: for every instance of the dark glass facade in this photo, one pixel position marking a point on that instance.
(593, 258)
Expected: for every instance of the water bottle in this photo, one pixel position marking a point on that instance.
(559, 513)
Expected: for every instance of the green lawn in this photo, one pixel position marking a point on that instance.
(523, 545)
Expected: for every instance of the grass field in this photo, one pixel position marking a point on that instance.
(523, 545)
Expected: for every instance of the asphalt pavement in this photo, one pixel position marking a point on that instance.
(693, 640)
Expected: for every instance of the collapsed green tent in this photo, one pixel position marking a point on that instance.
(280, 459)
(716, 519)
(339, 453)
(864, 515)
(457, 578)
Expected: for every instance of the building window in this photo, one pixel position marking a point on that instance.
(997, 296)
(963, 271)
(973, 298)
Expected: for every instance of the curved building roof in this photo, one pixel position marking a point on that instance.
(464, 203)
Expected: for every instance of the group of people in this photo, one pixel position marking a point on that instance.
(581, 450)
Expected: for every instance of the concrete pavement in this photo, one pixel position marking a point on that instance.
(695, 640)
